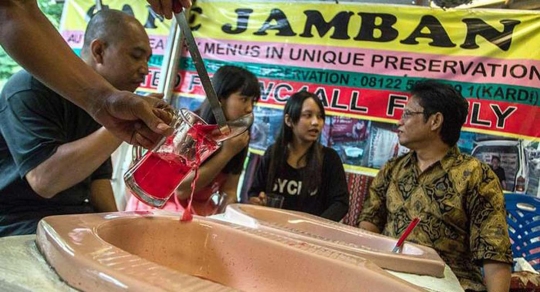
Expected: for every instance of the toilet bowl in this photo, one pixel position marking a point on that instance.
(154, 251)
(414, 258)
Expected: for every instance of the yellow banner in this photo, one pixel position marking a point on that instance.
(80, 12)
(361, 60)
(479, 32)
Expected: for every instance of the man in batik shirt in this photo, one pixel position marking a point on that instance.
(458, 198)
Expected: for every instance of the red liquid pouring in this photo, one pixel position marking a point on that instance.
(188, 212)
(198, 132)
(159, 173)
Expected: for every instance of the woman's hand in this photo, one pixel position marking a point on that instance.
(236, 144)
(260, 200)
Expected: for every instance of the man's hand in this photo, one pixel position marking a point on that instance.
(135, 119)
(168, 7)
(157, 102)
(497, 276)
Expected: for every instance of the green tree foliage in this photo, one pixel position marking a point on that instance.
(8, 67)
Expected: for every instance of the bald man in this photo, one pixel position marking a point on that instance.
(54, 158)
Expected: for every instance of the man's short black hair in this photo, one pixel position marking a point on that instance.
(436, 97)
(107, 25)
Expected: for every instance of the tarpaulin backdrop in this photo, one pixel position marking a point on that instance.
(362, 59)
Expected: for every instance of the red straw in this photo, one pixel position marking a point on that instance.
(405, 234)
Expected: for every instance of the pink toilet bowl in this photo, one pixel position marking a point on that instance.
(414, 258)
(153, 251)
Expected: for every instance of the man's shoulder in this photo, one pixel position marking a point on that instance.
(465, 163)
(466, 159)
(24, 90)
(23, 85)
(23, 81)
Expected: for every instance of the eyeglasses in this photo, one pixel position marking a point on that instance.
(407, 114)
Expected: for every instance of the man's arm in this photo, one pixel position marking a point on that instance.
(33, 42)
(369, 226)
(374, 214)
(489, 240)
(102, 196)
(72, 163)
(497, 276)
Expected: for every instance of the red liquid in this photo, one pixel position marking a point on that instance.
(188, 212)
(198, 132)
(203, 129)
(160, 173)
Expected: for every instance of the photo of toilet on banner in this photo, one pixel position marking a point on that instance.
(361, 59)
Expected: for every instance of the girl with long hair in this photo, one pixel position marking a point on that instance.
(307, 174)
(237, 89)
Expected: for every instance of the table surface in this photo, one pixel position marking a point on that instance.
(23, 269)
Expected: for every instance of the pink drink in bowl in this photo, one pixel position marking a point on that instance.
(155, 177)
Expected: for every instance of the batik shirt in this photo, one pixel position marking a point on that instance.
(461, 206)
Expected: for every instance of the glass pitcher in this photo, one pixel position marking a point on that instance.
(160, 171)
(154, 178)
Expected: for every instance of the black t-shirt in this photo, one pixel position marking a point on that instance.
(34, 122)
(500, 173)
(331, 200)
